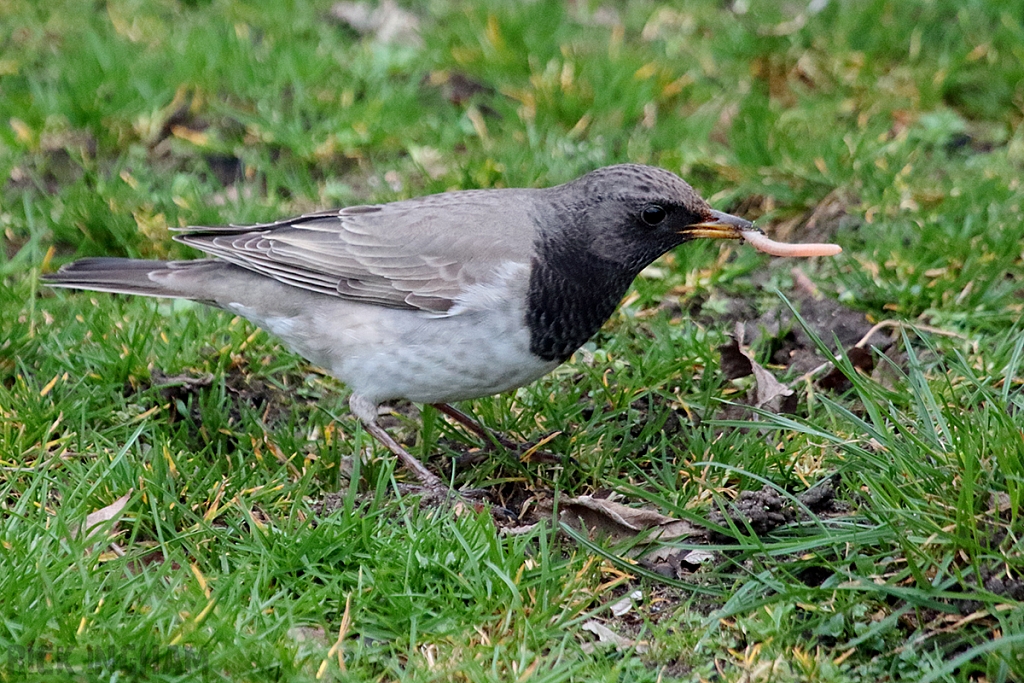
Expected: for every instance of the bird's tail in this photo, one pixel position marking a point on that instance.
(126, 276)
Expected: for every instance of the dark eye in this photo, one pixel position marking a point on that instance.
(653, 215)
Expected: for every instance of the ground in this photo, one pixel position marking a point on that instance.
(759, 470)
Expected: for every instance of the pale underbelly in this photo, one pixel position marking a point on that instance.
(384, 353)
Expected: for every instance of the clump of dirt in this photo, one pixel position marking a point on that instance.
(765, 510)
(759, 511)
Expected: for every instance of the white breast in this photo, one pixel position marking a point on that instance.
(479, 348)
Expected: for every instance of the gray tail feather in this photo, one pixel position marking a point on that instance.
(117, 275)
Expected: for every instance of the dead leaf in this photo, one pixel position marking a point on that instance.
(104, 514)
(619, 522)
(625, 603)
(1000, 503)
(734, 364)
(606, 636)
(138, 563)
(675, 563)
(458, 88)
(771, 394)
(698, 557)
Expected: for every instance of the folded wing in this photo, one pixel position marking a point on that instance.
(419, 254)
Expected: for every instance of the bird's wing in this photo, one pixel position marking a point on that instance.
(418, 254)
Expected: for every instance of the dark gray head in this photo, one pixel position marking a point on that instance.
(603, 229)
(631, 214)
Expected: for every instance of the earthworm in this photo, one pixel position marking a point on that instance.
(762, 243)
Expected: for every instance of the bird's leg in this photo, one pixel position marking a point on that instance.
(366, 411)
(474, 426)
(492, 437)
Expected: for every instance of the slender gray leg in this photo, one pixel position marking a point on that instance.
(494, 438)
(366, 411)
(474, 426)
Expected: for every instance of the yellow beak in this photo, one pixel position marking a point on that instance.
(722, 226)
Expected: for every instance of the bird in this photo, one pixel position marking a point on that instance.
(435, 299)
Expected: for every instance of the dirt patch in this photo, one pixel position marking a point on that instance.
(760, 512)
(755, 511)
(183, 395)
(462, 90)
(788, 344)
(182, 391)
(776, 344)
(57, 163)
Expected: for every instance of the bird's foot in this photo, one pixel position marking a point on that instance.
(435, 491)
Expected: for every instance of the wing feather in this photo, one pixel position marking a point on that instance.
(418, 254)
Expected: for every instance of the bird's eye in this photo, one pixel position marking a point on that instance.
(653, 215)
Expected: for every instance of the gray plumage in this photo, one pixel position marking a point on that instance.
(440, 298)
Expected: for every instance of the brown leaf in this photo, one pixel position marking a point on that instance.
(625, 603)
(771, 394)
(104, 514)
(606, 636)
(674, 563)
(457, 87)
(619, 522)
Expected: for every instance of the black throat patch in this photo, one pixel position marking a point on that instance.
(569, 300)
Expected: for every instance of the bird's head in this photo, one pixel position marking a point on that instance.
(631, 214)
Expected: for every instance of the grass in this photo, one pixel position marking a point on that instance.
(893, 128)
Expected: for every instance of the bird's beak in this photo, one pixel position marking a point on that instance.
(721, 226)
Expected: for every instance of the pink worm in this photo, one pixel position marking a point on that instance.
(762, 243)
